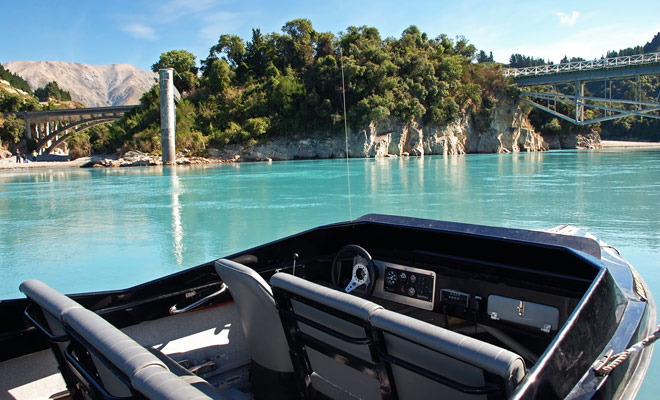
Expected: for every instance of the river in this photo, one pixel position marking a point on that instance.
(96, 229)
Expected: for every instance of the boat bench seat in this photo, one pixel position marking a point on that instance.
(392, 352)
(329, 341)
(428, 361)
(122, 365)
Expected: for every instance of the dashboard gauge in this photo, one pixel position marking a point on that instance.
(390, 277)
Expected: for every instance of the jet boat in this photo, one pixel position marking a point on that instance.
(381, 307)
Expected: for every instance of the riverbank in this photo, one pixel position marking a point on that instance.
(611, 144)
(110, 161)
(105, 161)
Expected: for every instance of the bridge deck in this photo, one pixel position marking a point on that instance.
(605, 68)
(46, 114)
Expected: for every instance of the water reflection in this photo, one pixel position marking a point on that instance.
(176, 189)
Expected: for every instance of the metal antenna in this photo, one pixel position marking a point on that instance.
(348, 169)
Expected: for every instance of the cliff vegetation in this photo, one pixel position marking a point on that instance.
(289, 85)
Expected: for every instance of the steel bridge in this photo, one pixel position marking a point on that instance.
(52, 127)
(580, 72)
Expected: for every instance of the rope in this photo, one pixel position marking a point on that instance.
(616, 360)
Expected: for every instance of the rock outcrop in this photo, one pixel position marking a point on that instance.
(588, 139)
(507, 131)
(139, 159)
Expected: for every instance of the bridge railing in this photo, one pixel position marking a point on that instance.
(577, 66)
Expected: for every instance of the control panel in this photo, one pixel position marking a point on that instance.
(407, 285)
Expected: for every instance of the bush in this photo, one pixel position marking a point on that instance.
(78, 144)
(191, 142)
(11, 129)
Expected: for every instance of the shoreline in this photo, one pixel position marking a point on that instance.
(100, 161)
(11, 164)
(622, 144)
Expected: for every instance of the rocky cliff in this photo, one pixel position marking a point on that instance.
(92, 85)
(506, 130)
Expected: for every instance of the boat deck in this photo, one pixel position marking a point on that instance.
(211, 340)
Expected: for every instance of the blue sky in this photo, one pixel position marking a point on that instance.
(137, 32)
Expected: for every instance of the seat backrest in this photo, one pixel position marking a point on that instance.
(428, 361)
(157, 383)
(115, 356)
(97, 353)
(52, 305)
(328, 332)
(259, 317)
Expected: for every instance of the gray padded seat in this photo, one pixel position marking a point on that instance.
(150, 372)
(259, 317)
(53, 304)
(121, 351)
(333, 378)
(446, 353)
(157, 383)
(49, 299)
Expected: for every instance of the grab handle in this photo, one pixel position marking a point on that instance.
(174, 310)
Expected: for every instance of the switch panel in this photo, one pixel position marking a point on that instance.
(454, 297)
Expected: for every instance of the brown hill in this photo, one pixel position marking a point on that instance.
(92, 85)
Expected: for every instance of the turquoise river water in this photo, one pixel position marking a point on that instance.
(95, 229)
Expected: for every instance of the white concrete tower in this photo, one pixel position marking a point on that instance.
(167, 115)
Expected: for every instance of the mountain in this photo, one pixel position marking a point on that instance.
(92, 85)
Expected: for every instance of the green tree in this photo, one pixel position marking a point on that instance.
(185, 66)
(483, 58)
(11, 129)
(259, 54)
(297, 44)
(219, 75)
(14, 80)
(232, 47)
(51, 91)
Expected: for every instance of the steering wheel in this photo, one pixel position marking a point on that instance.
(363, 275)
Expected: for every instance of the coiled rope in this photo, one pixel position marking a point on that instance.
(614, 361)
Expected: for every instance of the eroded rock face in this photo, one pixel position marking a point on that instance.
(508, 130)
(585, 140)
(588, 141)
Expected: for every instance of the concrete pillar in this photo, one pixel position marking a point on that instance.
(28, 131)
(167, 115)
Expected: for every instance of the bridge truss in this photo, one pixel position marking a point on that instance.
(565, 84)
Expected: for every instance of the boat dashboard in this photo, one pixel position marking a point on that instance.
(501, 303)
(478, 292)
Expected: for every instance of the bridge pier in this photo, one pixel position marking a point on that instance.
(167, 116)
